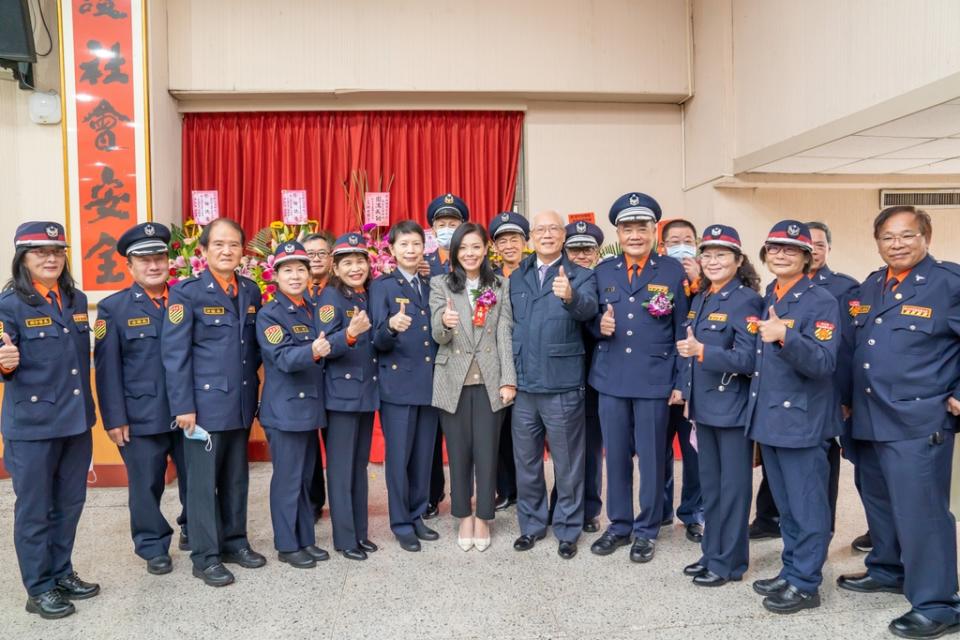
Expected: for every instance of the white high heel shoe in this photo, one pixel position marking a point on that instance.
(465, 543)
(482, 544)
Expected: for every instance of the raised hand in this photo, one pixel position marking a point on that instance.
(400, 321)
(773, 329)
(561, 286)
(607, 323)
(690, 346)
(450, 317)
(9, 354)
(359, 323)
(321, 347)
(423, 269)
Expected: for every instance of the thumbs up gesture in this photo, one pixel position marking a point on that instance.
(321, 348)
(9, 354)
(450, 317)
(561, 286)
(690, 346)
(359, 323)
(773, 329)
(400, 321)
(607, 324)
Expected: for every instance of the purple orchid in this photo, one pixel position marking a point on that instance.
(660, 305)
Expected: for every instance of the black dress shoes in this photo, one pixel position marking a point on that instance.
(423, 531)
(216, 575)
(759, 532)
(367, 545)
(353, 554)
(916, 625)
(666, 522)
(863, 583)
(608, 543)
(317, 515)
(710, 579)
(159, 565)
(770, 586)
(317, 553)
(298, 559)
(525, 543)
(694, 569)
(695, 532)
(433, 510)
(863, 544)
(591, 526)
(183, 543)
(504, 502)
(567, 550)
(409, 544)
(50, 605)
(791, 600)
(642, 550)
(73, 588)
(246, 558)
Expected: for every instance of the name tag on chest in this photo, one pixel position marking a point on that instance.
(213, 311)
(138, 322)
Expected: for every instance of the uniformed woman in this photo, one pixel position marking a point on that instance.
(350, 394)
(291, 406)
(792, 411)
(47, 414)
(720, 352)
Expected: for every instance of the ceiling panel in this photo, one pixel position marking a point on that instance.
(879, 165)
(936, 122)
(796, 164)
(858, 147)
(942, 148)
(946, 166)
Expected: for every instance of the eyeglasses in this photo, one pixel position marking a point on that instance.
(318, 254)
(785, 249)
(552, 229)
(49, 252)
(904, 238)
(723, 256)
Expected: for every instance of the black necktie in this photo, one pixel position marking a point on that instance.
(54, 303)
(416, 287)
(890, 285)
(231, 291)
(161, 302)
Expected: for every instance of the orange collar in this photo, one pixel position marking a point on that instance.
(782, 291)
(444, 255)
(900, 278)
(225, 283)
(715, 288)
(507, 270)
(300, 302)
(43, 291)
(641, 263)
(162, 296)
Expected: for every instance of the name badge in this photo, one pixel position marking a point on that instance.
(658, 288)
(300, 328)
(691, 314)
(39, 322)
(213, 311)
(138, 322)
(251, 309)
(717, 317)
(916, 312)
(80, 317)
(402, 300)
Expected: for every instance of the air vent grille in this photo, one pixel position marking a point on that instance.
(926, 199)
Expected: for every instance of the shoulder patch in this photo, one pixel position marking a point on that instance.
(823, 331)
(273, 334)
(753, 324)
(175, 313)
(326, 313)
(100, 329)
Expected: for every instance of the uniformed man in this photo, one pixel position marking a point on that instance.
(401, 335)
(843, 288)
(680, 243)
(444, 214)
(792, 412)
(132, 390)
(319, 247)
(47, 414)
(906, 399)
(211, 357)
(643, 306)
(551, 296)
(582, 246)
(510, 232)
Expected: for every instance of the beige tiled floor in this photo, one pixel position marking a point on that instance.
(438, 593)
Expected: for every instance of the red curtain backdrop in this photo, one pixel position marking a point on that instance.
(250, 157)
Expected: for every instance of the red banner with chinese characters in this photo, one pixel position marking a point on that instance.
(103, 51)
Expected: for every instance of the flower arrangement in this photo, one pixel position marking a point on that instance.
(184, 253)
(483, 300)
(496, 260)
(660, 304)
(378, 249)
(258, 263)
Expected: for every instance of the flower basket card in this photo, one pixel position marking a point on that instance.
(376, 208)
(293, 206)
(205, 206)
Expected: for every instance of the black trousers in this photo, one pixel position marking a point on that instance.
(506, 468)
(217, 484)
(473, 439)
(437, 481)
(348, 444)
(768, 517)
(317, 489)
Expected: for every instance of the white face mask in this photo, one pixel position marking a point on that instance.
(681, 251)
(444, 236)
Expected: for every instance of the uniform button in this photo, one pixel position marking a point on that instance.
(243, 362)
(759, 350)
(786, 404)
(65, 330)
(33, 398)
(632, 299)
(347, 376)
(630, 316)
(425, 328)
(374, 378)
(241, 341)
(629, 332)
(42, 334)
(301, 395)
(73, 372)
(713, 326)
(628, 350)
(879, 320)
(374, 360)
(244, 383)
(422, 312)
(427, 359)
(866, 365)
(206, 387)
(426, 343)
(898, 296)
(721, 388)
(756, 373)
(754, 394)
(868, 390)
(394, 367)
(688, 384)
(141, 334)
(913, 327)
(871, 342)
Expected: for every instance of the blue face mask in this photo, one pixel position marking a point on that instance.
(444, 236)
(199, 433)
(681, 251)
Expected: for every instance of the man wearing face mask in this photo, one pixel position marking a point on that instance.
(679, 241)
(133, 392)
(444, 214)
